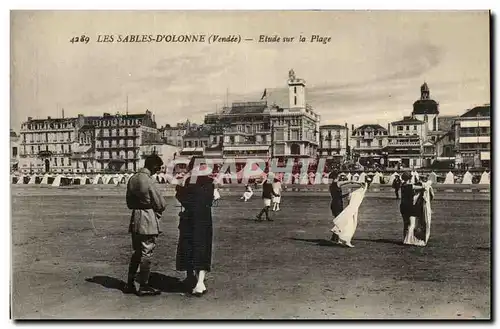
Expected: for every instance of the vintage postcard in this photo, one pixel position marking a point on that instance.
(250, 165)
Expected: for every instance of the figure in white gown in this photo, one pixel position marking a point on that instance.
(346, 222)
(248, 193)
(418, 230)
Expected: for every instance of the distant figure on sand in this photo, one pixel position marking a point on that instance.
(277, 192)
(396, 185)
(267, 196)
(248, 193)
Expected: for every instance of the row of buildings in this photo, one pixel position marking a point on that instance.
(280, 125)
(283, 125)
(87, 144)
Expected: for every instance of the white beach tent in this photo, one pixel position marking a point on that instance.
(32, 180)
(376, 178)
(485, 178)
(97, 179)
(45, 179)
(362, 178)
(467, 178)
(432, 178)
(393, 176)
(450, 179)
(57, 180)
(20, 181)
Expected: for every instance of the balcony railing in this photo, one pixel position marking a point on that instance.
(393, 143)
(248, 144)
(372, 147)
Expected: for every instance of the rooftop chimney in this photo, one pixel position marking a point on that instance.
(49, 118)
(30, 118)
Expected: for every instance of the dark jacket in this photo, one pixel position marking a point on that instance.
(267, 191)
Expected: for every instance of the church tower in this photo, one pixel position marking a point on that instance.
(296, 92)
(424, 91)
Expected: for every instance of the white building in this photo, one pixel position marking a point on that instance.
(368, 143)
(294, 124)
(333, 141)
(14, 151)
(46, 145)
(406, 149)
(473, 137)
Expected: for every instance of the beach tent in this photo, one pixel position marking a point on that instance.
(485, 178)
(450, 179)
(97, 180)
(432, 178)
(467, 178)
(391, 179)
(57, 180)
(362, 178)
(20, 181)
(349, 177)
(32, 180)
(376, 178)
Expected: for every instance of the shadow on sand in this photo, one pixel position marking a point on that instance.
(158, 281)
(319, 242)
(388, 241)
(328, 243)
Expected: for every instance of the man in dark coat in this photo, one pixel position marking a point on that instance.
(267, 196)
(147, 206)
(194, 250)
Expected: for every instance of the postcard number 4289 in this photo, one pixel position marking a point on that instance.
(80, 39)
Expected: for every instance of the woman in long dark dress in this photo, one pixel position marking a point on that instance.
(194, 250)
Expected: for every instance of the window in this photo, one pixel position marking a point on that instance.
(14, 151)
(400, 127)
(62, 161)
(231, 139)
(69, 161)
(414, 127)
(295, 100)
(369, 143)
(55, 161)
(358, 144)
(407, 127)
(380, 142)
(294, 90)
(69, 150)
(32, 149)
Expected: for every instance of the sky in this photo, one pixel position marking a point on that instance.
(370, 71)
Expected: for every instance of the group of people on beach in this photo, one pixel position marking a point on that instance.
(415, 207)
(197, 194)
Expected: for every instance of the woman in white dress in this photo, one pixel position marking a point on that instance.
(346, 222)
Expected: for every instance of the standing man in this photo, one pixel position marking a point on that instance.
(147, 206)
(267, 196)
(396, 185)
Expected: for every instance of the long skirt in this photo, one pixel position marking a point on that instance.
(194, 250)
(346, 222)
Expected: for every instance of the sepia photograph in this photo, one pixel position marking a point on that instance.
(250, 165)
